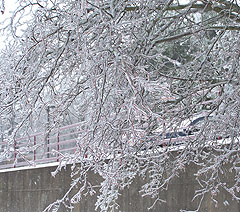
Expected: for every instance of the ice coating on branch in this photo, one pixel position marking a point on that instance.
(132, 74)
(2, 7)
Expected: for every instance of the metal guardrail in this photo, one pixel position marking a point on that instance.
(41, 148)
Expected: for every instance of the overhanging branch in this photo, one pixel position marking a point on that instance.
(230, 11)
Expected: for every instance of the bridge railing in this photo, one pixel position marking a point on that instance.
(43, 148)
(40, 148)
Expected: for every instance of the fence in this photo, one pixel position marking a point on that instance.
(40, 148)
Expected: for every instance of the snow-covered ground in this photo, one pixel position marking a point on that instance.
(30, 167)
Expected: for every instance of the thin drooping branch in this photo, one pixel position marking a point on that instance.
(143, 79)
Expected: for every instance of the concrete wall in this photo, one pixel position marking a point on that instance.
(34, 189)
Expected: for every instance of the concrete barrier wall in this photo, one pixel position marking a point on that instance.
(34, 189)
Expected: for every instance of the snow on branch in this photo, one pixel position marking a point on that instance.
(145, 79)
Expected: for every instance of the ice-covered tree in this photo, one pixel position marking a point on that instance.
(126, 69)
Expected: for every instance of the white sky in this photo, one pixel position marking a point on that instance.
(10, 5)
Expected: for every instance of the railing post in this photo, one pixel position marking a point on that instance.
(121, 158)
(34, 151)
(15, 152)
(48, 148)
(58, 147)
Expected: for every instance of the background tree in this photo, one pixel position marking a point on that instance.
(124, 68)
